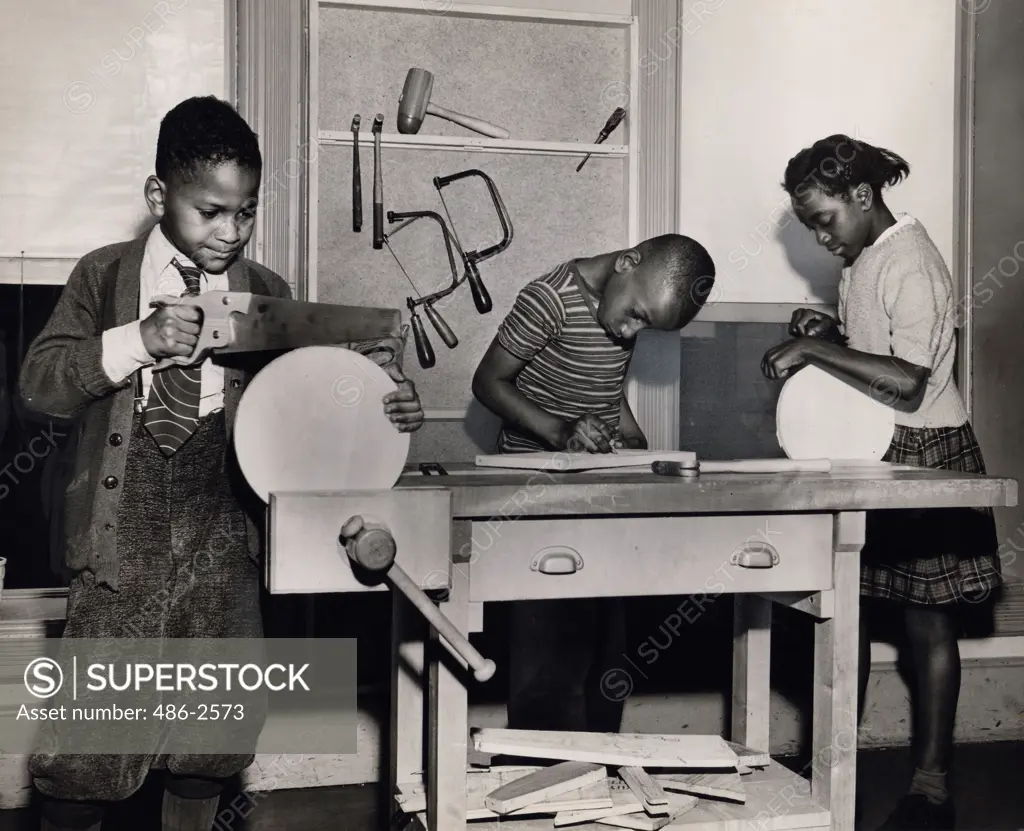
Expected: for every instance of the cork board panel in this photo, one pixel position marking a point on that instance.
(556, 214)
(545, 81)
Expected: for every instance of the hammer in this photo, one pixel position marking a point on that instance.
(414, 103)
(372, 546)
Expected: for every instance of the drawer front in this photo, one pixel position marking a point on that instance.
(538, 559)
(305, 556)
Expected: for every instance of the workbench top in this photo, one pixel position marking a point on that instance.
(493, 492)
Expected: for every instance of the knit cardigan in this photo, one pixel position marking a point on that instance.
(62, 377)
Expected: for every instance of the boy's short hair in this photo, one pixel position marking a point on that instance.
(204, 132)
(684, 265)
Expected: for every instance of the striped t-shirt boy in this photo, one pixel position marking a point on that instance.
(573, 367)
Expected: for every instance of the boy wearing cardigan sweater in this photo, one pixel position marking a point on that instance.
(157, 508)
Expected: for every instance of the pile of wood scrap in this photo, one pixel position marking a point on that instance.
(623, 780)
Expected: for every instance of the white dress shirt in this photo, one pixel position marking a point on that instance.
(123, 349)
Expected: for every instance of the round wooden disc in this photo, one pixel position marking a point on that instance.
(313, 420)
(819, 416)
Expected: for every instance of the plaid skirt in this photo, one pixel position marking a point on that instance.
(932, 556)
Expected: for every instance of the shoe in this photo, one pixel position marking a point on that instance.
(915, 813)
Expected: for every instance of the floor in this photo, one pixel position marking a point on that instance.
(987, 789)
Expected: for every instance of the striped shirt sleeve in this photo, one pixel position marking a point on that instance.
(536, 317)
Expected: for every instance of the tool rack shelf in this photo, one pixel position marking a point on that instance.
(625, 153)
(481, 145)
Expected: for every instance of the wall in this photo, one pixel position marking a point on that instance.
(998, 251)
(83, 87)
(762, 80)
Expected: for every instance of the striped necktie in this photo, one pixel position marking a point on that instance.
(172, 410)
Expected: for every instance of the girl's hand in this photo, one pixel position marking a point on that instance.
(403, 406)
(783, 360)
(808, 323)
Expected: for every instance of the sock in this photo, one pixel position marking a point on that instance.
(65, 815)
(49, 826)
(930, 784)
(181, 814)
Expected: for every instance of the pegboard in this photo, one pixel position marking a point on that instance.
(556, 214)
(546, 81)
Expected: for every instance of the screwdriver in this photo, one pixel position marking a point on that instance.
(609, 127)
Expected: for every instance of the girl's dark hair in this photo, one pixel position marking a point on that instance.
(838, 163)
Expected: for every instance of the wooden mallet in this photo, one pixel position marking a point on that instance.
(414, 103)
(373, 547)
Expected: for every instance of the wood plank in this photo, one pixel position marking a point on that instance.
(721, 785)
(543, 784)
(679, 804)
(483, 495)
(643, 749)
(777, 800)
(624, 801)
(552, 461)
(749, 757)
(596, 796)
(639, 781)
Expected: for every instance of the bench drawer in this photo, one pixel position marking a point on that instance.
(534, 559)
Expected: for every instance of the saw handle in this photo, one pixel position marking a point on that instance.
(373, 547)
(217, 308)
(481, 297)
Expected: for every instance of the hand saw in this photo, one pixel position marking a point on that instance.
(246, 322)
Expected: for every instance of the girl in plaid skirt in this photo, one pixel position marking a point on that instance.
(896, 334)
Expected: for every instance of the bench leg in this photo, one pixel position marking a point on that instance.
(448, 706)
(834, 766)
(751, 667)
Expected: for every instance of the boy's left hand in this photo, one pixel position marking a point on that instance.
(783, 360)
(403, 406)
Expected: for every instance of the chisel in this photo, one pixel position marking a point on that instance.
(378, 185)
(609, 127)
(357, 179)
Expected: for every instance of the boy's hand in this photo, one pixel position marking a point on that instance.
(587, 434)
(403, 406)
(172, 330)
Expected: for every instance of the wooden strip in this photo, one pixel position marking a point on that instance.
(641, 749)
(597, 796)
(679, 805)
(749, 757)
(543, 784)
(721, 785)
(640, 782)
(624, 801)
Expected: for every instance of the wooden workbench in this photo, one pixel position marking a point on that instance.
(495, 535)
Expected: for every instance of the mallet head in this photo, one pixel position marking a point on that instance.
(412, 104)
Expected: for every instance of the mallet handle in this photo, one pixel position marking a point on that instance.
(483, 668)
(478, 125)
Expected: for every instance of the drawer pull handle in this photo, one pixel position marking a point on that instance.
(755, 555)
(557, 560)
